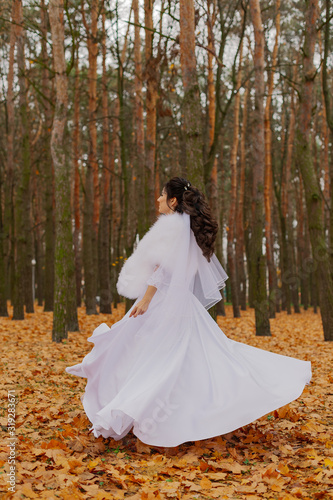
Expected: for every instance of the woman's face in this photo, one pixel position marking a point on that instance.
(163, 207)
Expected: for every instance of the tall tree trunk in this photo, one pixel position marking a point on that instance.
(3, 296)
(325, 150)
(258, 264)
(305, 164)
(91, 198)
(220, 307)
(286, 194)
(115, 169)
(240, 244)
(212, 190)
(24, 242)
(233, 196)
(191, 103)
(328, 112)
(268, 190)
(139, 124)
(104, 236)
(8, 222)
(48, 171)
(151, 99)
(64, 257)
(76, 194)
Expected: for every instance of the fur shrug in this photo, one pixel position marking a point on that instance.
(156, 248)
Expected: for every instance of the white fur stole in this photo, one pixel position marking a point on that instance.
(156, 248)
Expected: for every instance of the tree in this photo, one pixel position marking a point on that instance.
(91, 188)
(139, 124)
(151, 64)
(233, 198)
(304, 162)
(23, 221)
(104, 231)
(257, 263)
(64, 257)
(268, 190)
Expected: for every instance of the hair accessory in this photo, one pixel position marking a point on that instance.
(188, 185)
(185, 187)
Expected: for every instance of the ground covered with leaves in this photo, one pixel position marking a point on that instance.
(285, 455)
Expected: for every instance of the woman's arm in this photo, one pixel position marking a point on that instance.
(142, 306)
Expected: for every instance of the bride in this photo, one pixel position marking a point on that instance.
(166, 370)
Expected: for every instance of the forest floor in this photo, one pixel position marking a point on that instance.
(285, 455)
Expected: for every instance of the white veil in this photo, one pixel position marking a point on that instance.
(169, 258)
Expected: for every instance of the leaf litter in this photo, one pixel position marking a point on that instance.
(285, 455)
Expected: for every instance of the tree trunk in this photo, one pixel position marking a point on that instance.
(48, 171)
(220, 307)
(117, 251)
(311, 186)
(23, 223)
(63, 241)
(3, 297)
(212, 190)
(91, 198)
(151, 99)
(104, 236)
(257, 263)
(191, 103)
(286, 194)
(233, 196)
(268, 190)
(240, 245)
(328, 113)
(8, 221)
(76, 194)
(325, 150)
(139, 125)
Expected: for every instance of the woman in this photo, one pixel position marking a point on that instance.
(166, 370)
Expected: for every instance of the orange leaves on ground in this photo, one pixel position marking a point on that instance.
(286, 455)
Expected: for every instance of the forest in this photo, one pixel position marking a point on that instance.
(101, 102)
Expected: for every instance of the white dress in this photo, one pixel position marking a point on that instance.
(171, 374)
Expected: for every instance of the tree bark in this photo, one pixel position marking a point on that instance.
(23, 223)
(63, 241)
(305, 163)
(240, 244)
(151, 100)
(91, 198)
(268, 190)
(139, 125)
(7, 263)
(192, 120)
(257, 259)
(328, 113)
(233, 196)
(76, 194)
(104, 235)
(48, 171)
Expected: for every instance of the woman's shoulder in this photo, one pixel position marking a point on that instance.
(173, 220)
(166, 228)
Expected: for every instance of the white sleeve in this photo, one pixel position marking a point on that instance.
(159, 279)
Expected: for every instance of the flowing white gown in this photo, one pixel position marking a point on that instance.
(171, 374)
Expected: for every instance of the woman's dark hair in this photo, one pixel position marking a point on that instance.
(192, 201)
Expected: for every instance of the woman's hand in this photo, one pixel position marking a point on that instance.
(142, 306)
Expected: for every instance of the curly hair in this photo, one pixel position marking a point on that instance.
(192, 201)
